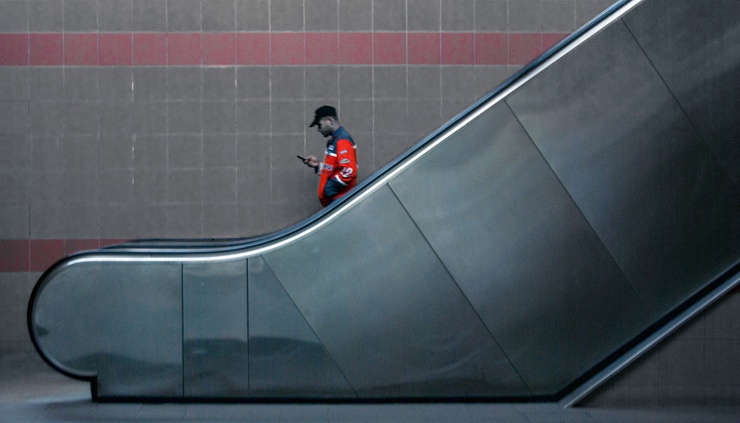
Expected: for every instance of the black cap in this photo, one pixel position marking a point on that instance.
(322, 112)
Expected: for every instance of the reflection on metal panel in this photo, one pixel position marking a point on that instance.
(124, 327)
(635, 167)
(521, 251)
(387, 310)
(215, 329)
(701, 66)
(286, 358)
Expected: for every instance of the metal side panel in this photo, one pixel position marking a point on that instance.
(286, 358)
(521, 251)
(215, 329)
(695, 46)
(388, 312)
(120, 322)
(635, 166)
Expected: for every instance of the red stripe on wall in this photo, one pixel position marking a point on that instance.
(37, 255)
(277, 48)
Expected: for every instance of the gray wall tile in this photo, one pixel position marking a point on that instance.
(15, 16)
(15, 152)
(424, 82)
(81, 152)
(46, 83)
(185, 219)
(492, 15)
(150, 220)
(184, 15)
(286, 15)
(47, 221)
(46, 15)
(458, 83)
(184, 83)
(253, 116)
(390, 116)
(219, 84)
(151, 187)
(116, 187)
(322, 15)
(355, 82)
(253, 82)
(80, 15)
(458, 15)
(115, 84)
(150, 84)
(219, 151)
(184, 152)
(14, 83)
(219, 117)
(357, 116)
(81, 187)
(116, 117)
(81, 84)
(389, 15)
(116, 221)
(558, 16)
(185, 186)
(184, 117)
(81, 118)
(219, 186)
(149, 118)
(286, 117)
(15, 187)
(390, 82)
(254, 153)
(322, 82)
(424, 15)
(16, 117)
(47, 117)
(355, 15)
(47, 188)
(525, 15)
(252, 15)
(14, 222)
(115, 15)
(219, 220)
(287, 82)
(47, 152)
(116, 152)
(149, 15)
(218, 15)
(150, 151)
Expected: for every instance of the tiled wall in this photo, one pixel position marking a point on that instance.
(128, 119)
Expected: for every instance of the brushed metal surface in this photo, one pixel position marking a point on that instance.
(388, 312)
(286, 358)
(124, 326)
(521, 251)
(635, 166)
(215, 329)
(695, 46)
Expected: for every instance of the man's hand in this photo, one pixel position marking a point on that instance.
(312, 161)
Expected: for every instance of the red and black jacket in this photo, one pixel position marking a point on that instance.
(338, 172)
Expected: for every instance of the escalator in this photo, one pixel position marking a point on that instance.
(525, 251)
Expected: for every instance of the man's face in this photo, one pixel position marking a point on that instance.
(324, 126)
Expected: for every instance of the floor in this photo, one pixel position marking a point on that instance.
(30, 391)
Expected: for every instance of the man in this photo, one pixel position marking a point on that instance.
(338, 172)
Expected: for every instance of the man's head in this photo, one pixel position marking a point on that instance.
(326, 119)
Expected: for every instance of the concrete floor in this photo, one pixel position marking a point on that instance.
(30, 391)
